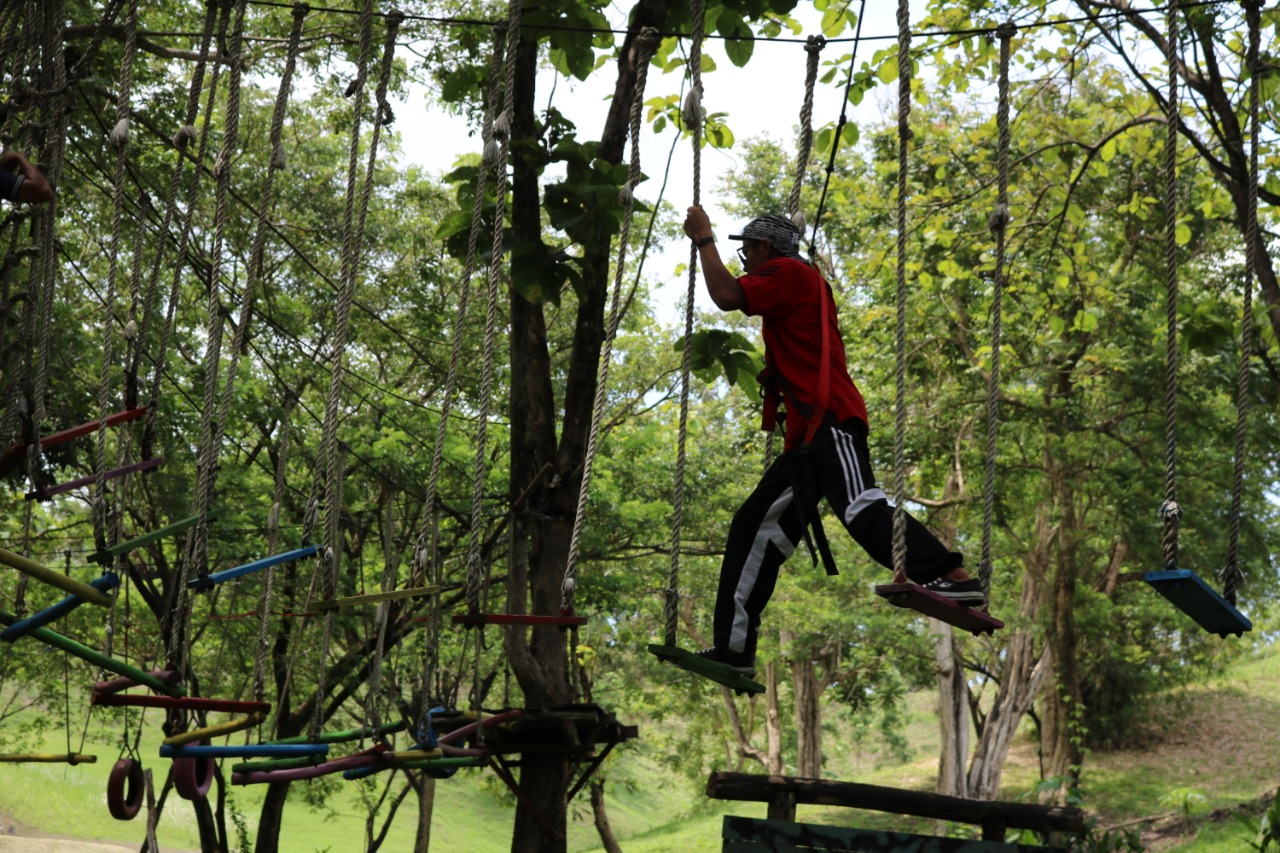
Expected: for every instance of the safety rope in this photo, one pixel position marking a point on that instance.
(1169, 511)
(502, 132)
(900, 329)
(693, 115)
(839, 129)
(1232, 575)
(357, 208)
(427, 547)
(645, 44)
(998, 223)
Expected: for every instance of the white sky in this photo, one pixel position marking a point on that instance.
(770, 86)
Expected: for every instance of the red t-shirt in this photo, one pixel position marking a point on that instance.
(785, 293)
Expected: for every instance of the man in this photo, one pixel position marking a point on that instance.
(826, 439)
(28, 184)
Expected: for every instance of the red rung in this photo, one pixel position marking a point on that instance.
(53, 439)
(190, 703)
(470, 619)
(915, 597)
(46, 493)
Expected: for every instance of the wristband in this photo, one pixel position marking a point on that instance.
(704, 241)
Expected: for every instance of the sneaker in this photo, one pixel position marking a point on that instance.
(740, 662)
(966, 592)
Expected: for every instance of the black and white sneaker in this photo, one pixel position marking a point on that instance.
(740, 662)
(966, 592)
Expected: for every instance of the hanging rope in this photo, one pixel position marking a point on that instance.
(427, 549)
(1169, 511)
(813, 48)
(211, 418)
(693, 115)
(900, 330)
(273, 541)
(182, 139)
(502, 132)
(998, 223)
(119, 137)
(1232, 576)
(645, 45)
(353, 237)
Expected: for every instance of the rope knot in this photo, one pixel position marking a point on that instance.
(185, 135)
(119, 135)
(692, 112)
(814, 44)
(1170, 512)
(492, 153)
(278, 156)
(999, 218)
(648, 40)
(1007, 30)
(300, 10)
(799, 220)
(625, 196)
(502, 126)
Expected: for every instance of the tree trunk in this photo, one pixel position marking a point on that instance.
(1020, 682)
(607, 839)
(808, 718)
(953, 707)
(1060, 740)
(271, 818)
(772, 725)
(426, 787)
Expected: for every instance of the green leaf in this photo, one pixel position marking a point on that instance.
(888, 71)
(1182, 234)
(1108, 151)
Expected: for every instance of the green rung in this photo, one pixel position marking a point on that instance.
(716, 672)
(107, 555)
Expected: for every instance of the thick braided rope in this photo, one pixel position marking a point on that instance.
(813, 50)
(273, 541)
(18, 87)
(211, 418)
(331, 487)
(181, 141)
(427, 548)
(1170, 512)
(382, 116)
(1232, 575)
(645, 44)
(693, 115)
(999, 223)
(900, 329)
(45, 216)
(475, 562)
(119, 136)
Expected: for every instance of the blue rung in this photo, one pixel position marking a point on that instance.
(1190, 594)
(249, 568)
(17, 630)
(249, 750)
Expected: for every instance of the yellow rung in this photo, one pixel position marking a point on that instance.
(39, 758)
(374, 597)
(211, 732)
(49, 576)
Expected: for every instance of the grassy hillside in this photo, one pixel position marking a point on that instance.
(1211, 749)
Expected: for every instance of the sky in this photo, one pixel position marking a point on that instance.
(761, 99)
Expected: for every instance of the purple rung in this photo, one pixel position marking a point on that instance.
(50, 491)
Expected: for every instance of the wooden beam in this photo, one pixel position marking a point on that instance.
(764, 789)
(750, 835)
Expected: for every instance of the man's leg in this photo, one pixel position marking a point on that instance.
(848, 483)
(763, 534)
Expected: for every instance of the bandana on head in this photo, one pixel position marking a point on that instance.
(780, 231)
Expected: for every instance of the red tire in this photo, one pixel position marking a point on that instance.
(192, 777)
(125, 788)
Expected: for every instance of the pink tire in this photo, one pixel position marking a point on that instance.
(125, 788)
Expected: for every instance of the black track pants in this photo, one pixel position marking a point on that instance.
(769, 525)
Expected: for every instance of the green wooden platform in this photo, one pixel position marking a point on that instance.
(718, 673)
(750, 835)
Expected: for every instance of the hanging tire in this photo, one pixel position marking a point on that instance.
(125, 788)
(192, 777)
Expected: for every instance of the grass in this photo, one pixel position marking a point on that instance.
(1217, 740)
